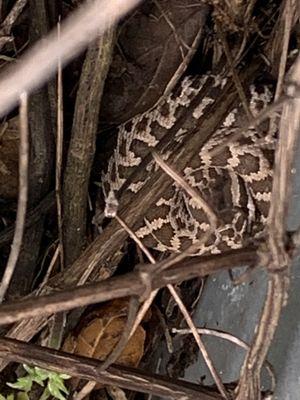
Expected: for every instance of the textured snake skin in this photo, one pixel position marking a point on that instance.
(236, 182)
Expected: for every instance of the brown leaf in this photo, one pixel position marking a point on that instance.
(151, 45)
(100, 332)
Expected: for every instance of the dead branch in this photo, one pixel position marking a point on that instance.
(22, 197)
(41, 161)
(213, 223)
(59, 157)
(231, 338)
(9, 21)
(82, 146)
(150, 294)
(88, 368)
(288, 19)
(122, 286)
(188, 56)
(278, 268)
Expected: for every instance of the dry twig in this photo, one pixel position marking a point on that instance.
(288, 19)
(231, 338)
(249, 385)
(22, 197)
(59, 154)
(130, 284)
(213, 221)
(235, 77)
(88, 368)
(9, 21)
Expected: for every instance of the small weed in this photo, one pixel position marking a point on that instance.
(53, 383)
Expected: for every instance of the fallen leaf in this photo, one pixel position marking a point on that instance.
(152, 43)
(100, 331)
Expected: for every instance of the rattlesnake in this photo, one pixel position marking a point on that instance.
(236, 183)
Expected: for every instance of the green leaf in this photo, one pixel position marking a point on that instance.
(59, 383)
(46, 394)
(28, 369)
(24, 383)
(55, 385)
(22, 396)
(38, 380)
(8, 397)
(65, 376)
(53, 389)
(36, 374)
(41, 373)
(53, 375)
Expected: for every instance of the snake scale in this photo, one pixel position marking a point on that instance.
(236, 182)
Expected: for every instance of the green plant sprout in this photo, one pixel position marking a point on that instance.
(52, 381)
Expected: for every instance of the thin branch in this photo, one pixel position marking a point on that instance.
(85, 391)
(253, 122)
(278, 267)
(288, 20)
(183, 65)
(171, 289)
(40, 62)
(197, 198)
(283, 177)
(9, 21)
(213, 332)
(285, 47)
(199, 342)
(235, 77)
(50, 268)
(191, 191)
(147, 303)
(231, 338)
(212, 225)
(22, 197)
(12, 17)
(133, 307)
(180, 42)
(88, 368)
(121, 286)
(59, 155)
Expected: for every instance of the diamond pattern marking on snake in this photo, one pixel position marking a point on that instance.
(236, 182)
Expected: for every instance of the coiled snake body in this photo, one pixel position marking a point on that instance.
(236, 182)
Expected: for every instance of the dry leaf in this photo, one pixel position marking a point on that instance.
(152, 43)
(100, 331)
